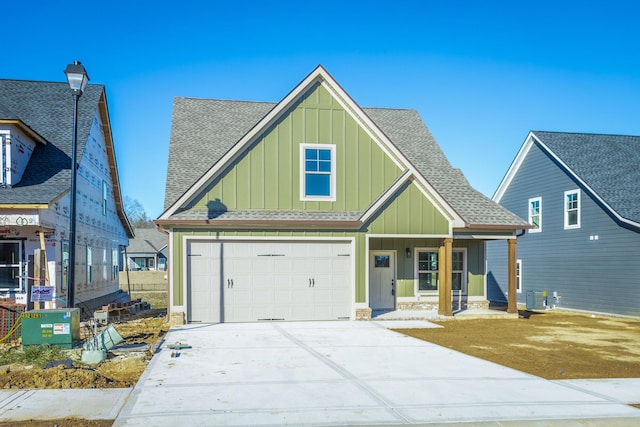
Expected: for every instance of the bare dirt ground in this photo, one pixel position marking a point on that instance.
(121, 370)
(550, 344)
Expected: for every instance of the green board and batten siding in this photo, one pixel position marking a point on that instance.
(410, 212)
(267, 176)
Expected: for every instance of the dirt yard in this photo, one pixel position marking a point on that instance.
(550, 344)
(121, 370)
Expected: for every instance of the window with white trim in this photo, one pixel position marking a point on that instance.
(317, 172)
(519, 276)
(427, 270)
(572, 209)
(458, 270)
(535, 214)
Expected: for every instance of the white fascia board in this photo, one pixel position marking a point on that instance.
(427, 191)
(513, 169)
(385, 143)
(373, 208)
(455, 221)
(325, 79)
(585, 185)
(272, 116)
(363, 120)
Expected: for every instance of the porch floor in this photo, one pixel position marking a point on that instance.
(490, 313)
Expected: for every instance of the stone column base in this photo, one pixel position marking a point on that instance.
(176, 318)
(363, 313)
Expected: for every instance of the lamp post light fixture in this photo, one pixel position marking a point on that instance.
(78, 79)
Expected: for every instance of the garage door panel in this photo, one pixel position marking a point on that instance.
(269, 280)
(203, 267)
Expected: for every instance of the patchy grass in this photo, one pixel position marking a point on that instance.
(35, 355)
(157, 299)
(551, 345)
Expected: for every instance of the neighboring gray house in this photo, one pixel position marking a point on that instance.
(147, 250)
(36, 126)
(581, 194)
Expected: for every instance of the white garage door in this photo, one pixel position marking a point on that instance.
(250, 281)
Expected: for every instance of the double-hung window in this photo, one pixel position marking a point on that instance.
(427, 270)
(535, 214)
(572, 209)
(458, 282)
(318, 172)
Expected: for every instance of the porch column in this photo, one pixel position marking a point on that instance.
(445, 265)
(512, 306)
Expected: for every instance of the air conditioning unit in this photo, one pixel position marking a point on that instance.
(536, 300)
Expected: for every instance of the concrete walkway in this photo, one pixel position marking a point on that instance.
(329, 374)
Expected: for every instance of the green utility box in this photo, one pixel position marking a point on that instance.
(59, 327)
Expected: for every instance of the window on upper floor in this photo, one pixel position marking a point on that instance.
(318, 172)
(535, 214)
(572, 209)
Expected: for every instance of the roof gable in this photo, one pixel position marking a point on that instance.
(205, 134)
(147, 240)
(42, 107)
(605, 165)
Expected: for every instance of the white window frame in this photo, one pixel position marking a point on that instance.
(464, 270)
(416, 275)
(566, 209)
(539, 200)
(519, 276)
(435, 292)
(303, 174)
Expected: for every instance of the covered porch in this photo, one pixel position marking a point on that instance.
(432, 277)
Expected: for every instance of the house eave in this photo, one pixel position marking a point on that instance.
(23, 206)
(503, 227)
(25, 128)
(230, 224)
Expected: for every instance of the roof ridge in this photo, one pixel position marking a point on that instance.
(193, 98)
(584, 133)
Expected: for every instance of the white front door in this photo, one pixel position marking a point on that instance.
(382, 280)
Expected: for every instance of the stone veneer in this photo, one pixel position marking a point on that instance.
(363, 314)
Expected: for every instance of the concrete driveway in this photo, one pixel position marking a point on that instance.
(343, 373)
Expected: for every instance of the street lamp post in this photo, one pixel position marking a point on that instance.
(78, 78)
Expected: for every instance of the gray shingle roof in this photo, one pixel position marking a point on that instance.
(203, 130)
(147, 240)
(608, 164)
(47, 108)
(267, 215)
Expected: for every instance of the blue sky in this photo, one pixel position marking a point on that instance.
(481, 74)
